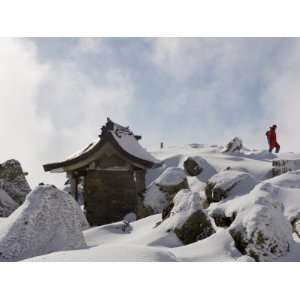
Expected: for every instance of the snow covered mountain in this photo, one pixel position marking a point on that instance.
(202, 204)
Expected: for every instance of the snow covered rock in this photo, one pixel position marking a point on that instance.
(7, 205)
(235, 145)
(229, 183)
(160, 193)
(172, 180)
(49, 220)
(189, 222)
(263, 233)
(192, 166)
(221, 219)
(13, 181)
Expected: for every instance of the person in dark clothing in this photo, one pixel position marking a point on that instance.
(272, 139)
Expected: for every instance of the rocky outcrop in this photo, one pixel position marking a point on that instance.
(49, 220)
(13, 181)
(161, 192)
(186, 219)
(229, 183)
(235, 145)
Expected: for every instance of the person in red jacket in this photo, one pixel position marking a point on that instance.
(272, 139)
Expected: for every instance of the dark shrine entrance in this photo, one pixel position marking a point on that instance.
(111, 195)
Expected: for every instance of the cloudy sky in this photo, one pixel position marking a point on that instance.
(57, 92)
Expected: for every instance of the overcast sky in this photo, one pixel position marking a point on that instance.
(57, 92)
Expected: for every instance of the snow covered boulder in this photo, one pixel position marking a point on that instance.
(235, 145)
(192, 166)
(262, 232)
(189, 222)
(7, 205)
(49, 220)
(220, 217)
(160, 192)
(13, 181)
(228, 184)
(172, 180)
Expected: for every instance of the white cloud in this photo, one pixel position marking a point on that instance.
(49, 110)
(20, 129)
(217, 77)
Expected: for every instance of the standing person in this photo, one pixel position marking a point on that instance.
(272, 139)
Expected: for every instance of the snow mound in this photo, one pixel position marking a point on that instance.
(7, 205)
(116, 253)
(160, 193)
(260, 221)
(229, 184)
(218, 247)
(189, 222)
(260, 154)
(262, 232)
(13, 181)
(49, 220)
(279, 191)
(171, 177)
(289, 180)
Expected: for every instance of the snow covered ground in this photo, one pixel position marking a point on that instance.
(265, 199)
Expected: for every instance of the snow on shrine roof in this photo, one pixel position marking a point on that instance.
(84, 150)
(121, 138)
(129, 143)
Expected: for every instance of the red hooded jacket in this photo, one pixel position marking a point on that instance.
(272, 137)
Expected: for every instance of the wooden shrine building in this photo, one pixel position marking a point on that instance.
(112, 171)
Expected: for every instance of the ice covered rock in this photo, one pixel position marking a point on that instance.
(160, 192)
(235, 145)
(7, 205)
(49, 220)
(13, 181)
(229, 183)
(262, 232)
(192, 166)
(189, 222)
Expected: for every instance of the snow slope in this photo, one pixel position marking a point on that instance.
(146, 240)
